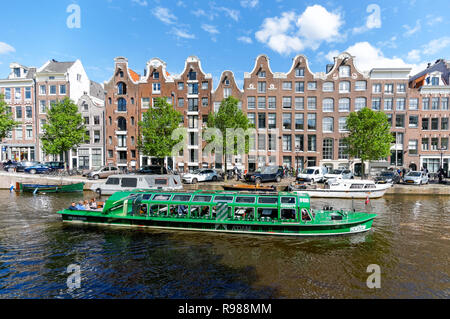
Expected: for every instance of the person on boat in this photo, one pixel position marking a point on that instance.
(73, 206)
(181, 210)
(80, 206)
(143, 209)
(86, 205)
(93, 204)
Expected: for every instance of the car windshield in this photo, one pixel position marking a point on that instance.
(197, 171)
(388, 174)
(414, 174)
(308, 171)
(269, 170)
(336, 171)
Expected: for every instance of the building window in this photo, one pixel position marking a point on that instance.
(251, 102)
(42, 106)
(19, 132)
(435, 124)
(444, 143)
(287, 143)
(389, 88)
(192, 76)
(29, 132)
(205, 101)
(360, 85)
(344, 105)
(425, 123)
(261, 120)
(262, 142)
(272, 102)
(287, 121)
(193, 105)
(328, 149)
(343, 150)
(121, 88)
(299, 87)
(344, 71)
(251, 118)
(180, 86)
(388, 104)
(28, 112)
(400, 121)
(272, 121)
(435, 103)
(312, 121)
(413, 104)
(435, 81)
(261, 102)
(401, 103)
(18, 94)
(299, 143)
(327, 125)
(299, 103)
(328, 105)
(312, 147)
(360, 103)
(328, 87)
(226, 92)
(444, 103)
(62, 89)
(425, 144)
(287, 85)
(300, 72)
(42, 90)
(413, 121)
(155, 75)
(343, 124)
(312, 85)
(413, 147)
(192, 88)
(287, 102)
(434, 143)
(376, 104)
(344, 87)
(261, 87)
(312, 103)
(376, 88)
(262, 74)
(425, 104)
(145, 102)
(96, 136)
(444, 123)
(28, 93)
(401, 88)
(121, 105)
(299, 121)
(18, 112)
(205, 85)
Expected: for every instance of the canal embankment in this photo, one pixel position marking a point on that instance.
(7, 179)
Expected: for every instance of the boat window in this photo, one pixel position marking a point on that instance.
(356, 186)
(143, 210)
(161, 197)
(271, 213)
(181, 198)
(288, 214)
(268, 200)
(369, 186)
(244, 213)
(129, 182)
(160, 210)
(113, 181)
(146, 196)
(160, 181)
(287, 200)
(178, 210)
(223, 199)
(248, 200)
(202, 198)
(305, 215)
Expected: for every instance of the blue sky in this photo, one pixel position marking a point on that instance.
(225, 35)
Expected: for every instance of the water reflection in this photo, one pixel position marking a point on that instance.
(409, 241)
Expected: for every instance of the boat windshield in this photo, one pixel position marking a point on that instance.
(415, 174)
(308, 171)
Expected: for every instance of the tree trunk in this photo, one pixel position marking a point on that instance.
(362, 169)
(225, 176)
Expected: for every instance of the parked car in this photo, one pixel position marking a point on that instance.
(21, 166)
(37, 169)
(103, 172)
(314, 174)
(200, 175)
(340, 173)
(55, 165)
(10, 166)
(388, 177)
(266, 174)
(416, 177)
(151, 170)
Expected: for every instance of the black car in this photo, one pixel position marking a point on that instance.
(55, 165)
(266, 174)
(388, 177)
(22, 165)
(10, 165)
(151, 170)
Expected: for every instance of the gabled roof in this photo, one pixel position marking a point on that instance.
(96, 90)
(54, 66)
(440, 66)
(134, 75)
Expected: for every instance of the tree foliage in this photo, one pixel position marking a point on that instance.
(6, 120)
(228, 117)
(369, 136)
(64, 129)
(156, 129)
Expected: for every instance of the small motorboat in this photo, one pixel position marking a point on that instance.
(253, 188)
(42, 188)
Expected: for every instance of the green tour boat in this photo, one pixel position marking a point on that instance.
(280, 213)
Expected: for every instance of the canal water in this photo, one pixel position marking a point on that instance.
(410, 243)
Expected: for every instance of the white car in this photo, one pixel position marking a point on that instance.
(338, 174)
(415, 177)
(200, 175)
(313, 174)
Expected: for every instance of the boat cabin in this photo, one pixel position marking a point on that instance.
(219, 205)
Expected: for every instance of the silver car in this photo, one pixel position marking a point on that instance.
(103, 172)
(200, 175)
(338, 174)
(416, 178)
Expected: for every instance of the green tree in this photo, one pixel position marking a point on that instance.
(6, 121)
(64, 129)
(369, 137)
(229, 117)
(156, 129)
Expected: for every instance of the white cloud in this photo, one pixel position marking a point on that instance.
(6, 48)
(140, 2)
(293, 33)
(411, 30)
(181, 4)
(431, 20)
(373, 21)
(434, 46)
(182, 33)
(233, 14)
(249, 3)
(414, 55)
(164, 15)
(245, 39)
(210, 29)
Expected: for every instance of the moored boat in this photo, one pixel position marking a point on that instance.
(280, 213)
(345, 188)
(42, 188)
(245, 187)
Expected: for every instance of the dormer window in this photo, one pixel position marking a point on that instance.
(192, 76)
(120, 73)
(16, 72)
(262, 74)
(156, 75)
(435, 80)
(226, 82)
(344, 71)
(300, 72)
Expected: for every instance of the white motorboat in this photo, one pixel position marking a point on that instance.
(346, 188)
(131, 182)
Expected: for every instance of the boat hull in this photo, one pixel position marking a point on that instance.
(39, 188)
(326, 193)
(227, 226)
